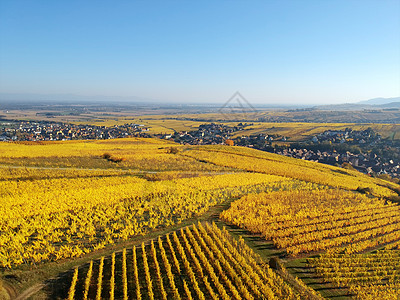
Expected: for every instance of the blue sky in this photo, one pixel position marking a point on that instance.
(271, 51)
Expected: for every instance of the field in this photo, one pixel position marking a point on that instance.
(296, 125)
(300, 131)
(65, 205)
(295, 131)
(136, 154)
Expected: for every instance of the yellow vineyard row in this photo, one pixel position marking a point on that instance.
(307, 221)
(200, 262)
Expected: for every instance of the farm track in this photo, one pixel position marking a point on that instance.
(30, 291)
(110, 169)
(122, 171)
(77, 169)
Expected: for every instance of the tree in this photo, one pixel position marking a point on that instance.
(229, 142)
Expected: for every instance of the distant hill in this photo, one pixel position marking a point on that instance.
(380, 101)
(344, 106)
(390, 105)
(376, 103)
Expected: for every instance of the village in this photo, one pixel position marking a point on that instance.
(367, 163)
(341, 148)
(329, 147)
(207, 134)
(48, 131)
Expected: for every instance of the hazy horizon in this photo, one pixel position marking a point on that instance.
(273, 52)
(83, 99)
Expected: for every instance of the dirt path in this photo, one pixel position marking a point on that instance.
(30, 291)
(77, 169)
(132, 171)
(7, 291)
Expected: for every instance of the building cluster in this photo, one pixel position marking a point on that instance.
(259, 141)
(348, 136)
(207, 134)
(366, 162)
(369, 163)
(47, 131)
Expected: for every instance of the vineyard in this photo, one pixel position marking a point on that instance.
(96, 208)
(369, 276)
(52, 219)
(131, 154)
(198, 262)
(309, 221)
(137, 154)
(268, 163)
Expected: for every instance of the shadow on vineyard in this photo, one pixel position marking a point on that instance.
(262, 247)
(300, 269)
(58, 287)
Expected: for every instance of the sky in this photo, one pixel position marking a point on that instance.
(295, 52)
